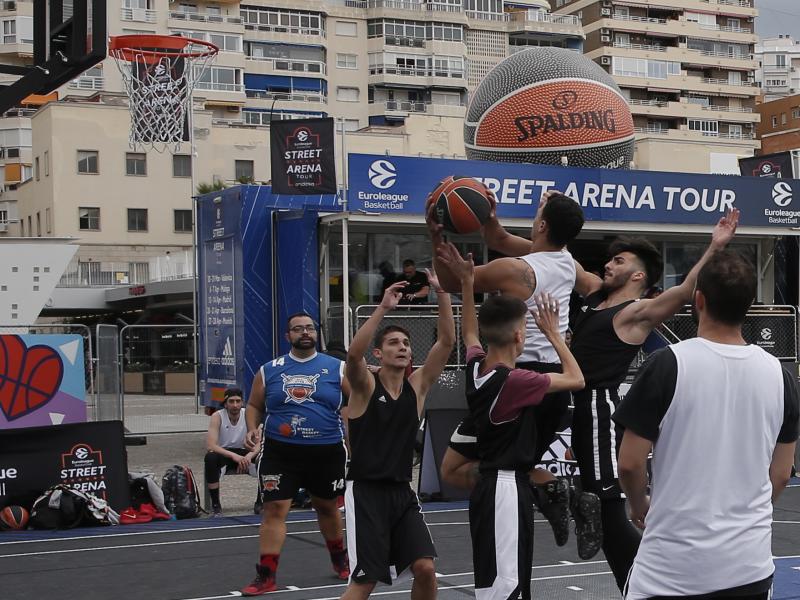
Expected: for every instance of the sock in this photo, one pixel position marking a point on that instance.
(214, 497)
(269, 562)
(336, 549)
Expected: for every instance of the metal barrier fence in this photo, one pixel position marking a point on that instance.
(89, 360)
(158, 379)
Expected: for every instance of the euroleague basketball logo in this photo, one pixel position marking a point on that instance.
(382, 174)
(299, 388)
(302, 135)
(82, 468)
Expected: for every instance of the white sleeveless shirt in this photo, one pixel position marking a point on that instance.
(230, 435)
(555, 274)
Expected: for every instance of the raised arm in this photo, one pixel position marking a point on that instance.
(361, 381)
(635, 322)
(586, 283)
(500, 240)
(424, 377)
(546, 317)
(464, 270)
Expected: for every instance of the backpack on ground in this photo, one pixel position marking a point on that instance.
(145, 490)
(62, 507)
(181, 496)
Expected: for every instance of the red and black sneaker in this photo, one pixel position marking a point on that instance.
(341, 566)
(262, 584)
(130, 516)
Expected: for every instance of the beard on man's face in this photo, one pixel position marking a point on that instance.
(304, 343)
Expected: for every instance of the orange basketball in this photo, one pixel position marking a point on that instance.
(461, 204)
(542, 104)
(13, 517)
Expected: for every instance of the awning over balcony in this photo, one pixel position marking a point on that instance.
(253, 81)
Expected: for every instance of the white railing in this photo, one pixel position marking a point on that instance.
(295, 66)
(659, 103)
(203, 17)
(160, 268)
(738, 136)
(484, 16)
(728, 108)
(515, 49)
(288, 96)
(87, 83)
(219, 87)
(427, 71)
(648, 47)
(715, 81)
(315, 31)
(406, 5)
(539, 16)
(621, 17)
(144, 15)
(715, 27)
(652, 130)
(721, 54)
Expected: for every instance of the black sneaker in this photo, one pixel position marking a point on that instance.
(554, 505)
(588, 526)
(257, 506)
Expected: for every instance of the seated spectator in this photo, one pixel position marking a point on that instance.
(225, 442)
(417, 285)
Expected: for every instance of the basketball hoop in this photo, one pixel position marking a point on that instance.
(159, 73)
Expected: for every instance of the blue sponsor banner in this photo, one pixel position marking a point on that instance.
(389, 184)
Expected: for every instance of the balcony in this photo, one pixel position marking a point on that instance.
(623, 17)
(404, 108)
(426, 72)
(690, 135)
(160, 268)
(87, 83)
(141, 15)
(313, 67)
(272, 29)
(484, 16)
(537, 20)
(219, 87)
(646, 47)
(198, 17)
(406, 5)
(316, 97)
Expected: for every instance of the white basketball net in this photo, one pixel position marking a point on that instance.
(159, 89)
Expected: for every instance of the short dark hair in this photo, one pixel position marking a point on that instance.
(496, 316)
(232, 391)
(564, 217)
(381, 335)
(296, 315)
(729, 284)
(409, 263)
(647, 254)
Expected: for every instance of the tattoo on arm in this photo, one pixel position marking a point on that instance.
(529, 279)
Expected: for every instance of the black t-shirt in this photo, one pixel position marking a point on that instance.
(648, 399)
(417, 281)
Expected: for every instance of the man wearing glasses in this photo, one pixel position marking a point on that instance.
(298, 398)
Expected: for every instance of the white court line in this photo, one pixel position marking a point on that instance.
(210, 528)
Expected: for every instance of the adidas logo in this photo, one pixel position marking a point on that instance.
(382, 399)
(227, 354)
(360, 573)
(228, 350)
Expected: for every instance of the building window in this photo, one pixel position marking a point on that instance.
(710, 128)
(87, 161)
(36, 168)
(780, 60)
(10, 31)
(347, 94)
(183, 221)
(347, 28)
(88, 218)
(796, 112)
(137, 219)
(47, 222)
(38, 224)
(774, 121)
(346, 61)
(181, 165)
(135, 163)
(783, 119)
(3, 217)
(243, 170)
(735, 131)
(46, 163)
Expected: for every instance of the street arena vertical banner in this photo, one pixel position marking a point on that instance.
(42, 380)
(775, 166)
(302, 156)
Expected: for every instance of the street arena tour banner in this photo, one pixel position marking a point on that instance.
(87, 456)
(42, 380)
(773, 166)
(302, 156)
(394, 184)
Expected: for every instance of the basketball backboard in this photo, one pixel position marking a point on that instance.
(69, 36)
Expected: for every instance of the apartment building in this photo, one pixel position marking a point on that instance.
(396, 74)
(779, 129)
(778, 71)
(687, 69)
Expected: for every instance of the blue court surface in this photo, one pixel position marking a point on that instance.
(210, 559)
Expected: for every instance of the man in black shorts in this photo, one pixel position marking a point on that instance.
(386, 533)
(302, 395)
(721, 418)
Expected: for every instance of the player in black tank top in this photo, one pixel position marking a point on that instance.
(385, 527)
(607, 335)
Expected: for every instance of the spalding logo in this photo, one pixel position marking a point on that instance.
(556, 114)
(382, 174)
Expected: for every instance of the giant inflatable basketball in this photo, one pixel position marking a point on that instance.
(544, 103)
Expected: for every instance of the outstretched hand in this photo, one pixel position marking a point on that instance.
(393, 295)
(433, 280)
(463, 269)
(435, 229)
(725, 229)
(546, 315)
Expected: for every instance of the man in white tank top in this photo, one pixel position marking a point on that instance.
(548, 267)
(225, 443)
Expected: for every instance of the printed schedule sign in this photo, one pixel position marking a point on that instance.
(220, 310)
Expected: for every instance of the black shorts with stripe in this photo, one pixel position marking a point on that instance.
(501, 524)
(596, 440)
(386, 531)
(285, 468)
(552, 413)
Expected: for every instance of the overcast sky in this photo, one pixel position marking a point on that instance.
(778, 16)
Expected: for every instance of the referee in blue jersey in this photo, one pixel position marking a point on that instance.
(298, 398)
